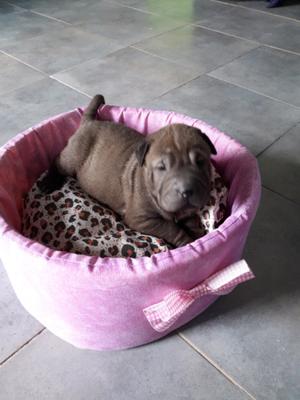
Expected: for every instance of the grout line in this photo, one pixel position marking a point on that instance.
(257, 10)
(49, 17)
(157, 35)
(70, 86)
(118, 3)
(232, 60)
(19, 8)
(252, 90)
(136, 8)
(133, 7)
(71, 67)
(185, 23)
(158, 56)
(243, 38)
(215, 365)
(123, 46)
(229, 4)
(199, 25)
(281, 195)
(231, 83)
(277, 139)
(186, 65)
(183, 65)
(22, 9)
(177, 87)
(21, 347)
(24, 63)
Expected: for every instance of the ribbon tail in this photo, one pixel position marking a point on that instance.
(162, 316)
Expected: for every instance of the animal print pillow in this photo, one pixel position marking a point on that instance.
(70, 220)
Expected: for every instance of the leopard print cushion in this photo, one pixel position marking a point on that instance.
(70, 220)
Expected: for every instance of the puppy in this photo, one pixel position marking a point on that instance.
(150, 181)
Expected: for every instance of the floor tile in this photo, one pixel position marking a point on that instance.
(195, 46)
(6, 8)
(16, 325)
(254, 120)
(109, 19)
(188, 10)
(50, 369)
(15, 74)
(268, 71)
(46, 6)
(127, 76)
(55, 51)
(280, 165)
(254, 25)
(33, 103)
(253, 333)
(289, 8)
(23, 25)
(125, 24)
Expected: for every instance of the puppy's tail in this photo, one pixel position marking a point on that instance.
(91, 110)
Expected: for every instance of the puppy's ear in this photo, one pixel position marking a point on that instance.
(141, 151)
(209, 142)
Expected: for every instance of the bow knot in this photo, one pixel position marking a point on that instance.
(164, 314)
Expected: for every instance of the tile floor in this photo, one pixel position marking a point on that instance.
(235, 64)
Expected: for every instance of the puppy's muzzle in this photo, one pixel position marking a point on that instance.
(186, 185)
(185, 190)
(185, 193)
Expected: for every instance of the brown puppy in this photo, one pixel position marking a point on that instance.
(148, 180)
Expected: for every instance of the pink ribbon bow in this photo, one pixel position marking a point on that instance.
(164, 314)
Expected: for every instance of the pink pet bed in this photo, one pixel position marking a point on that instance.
(113, 303)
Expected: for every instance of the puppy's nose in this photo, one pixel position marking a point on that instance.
(186, 193)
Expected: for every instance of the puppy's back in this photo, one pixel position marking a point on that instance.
(104, 160)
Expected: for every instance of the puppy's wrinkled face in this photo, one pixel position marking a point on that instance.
(178, 168)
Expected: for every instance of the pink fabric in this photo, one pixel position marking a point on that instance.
(98, 303)
(162, 316)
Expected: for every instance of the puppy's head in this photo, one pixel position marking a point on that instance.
(177, 167)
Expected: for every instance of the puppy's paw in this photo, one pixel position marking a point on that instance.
(192, 226)
(183, 240)
(52, 181)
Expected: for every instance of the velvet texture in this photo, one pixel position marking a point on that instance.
(97, 303)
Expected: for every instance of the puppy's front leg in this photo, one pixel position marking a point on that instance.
(166, 230)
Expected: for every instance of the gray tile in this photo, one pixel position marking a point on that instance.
(253, 333)
(169, 369)
(289, 8)
(254, 120)
(188, 10)
(6, 8)
(46, 6)
(125, 24)
(109, 19)
(127, 77)
(55, 51)
(15, 74)
(23, 25)
(33, 103)
(254, 25)
(16, 325)
(191, 45)
(268, 71)
(280, 165)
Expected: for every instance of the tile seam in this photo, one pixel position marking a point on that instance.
(12, 355)
(215, 365)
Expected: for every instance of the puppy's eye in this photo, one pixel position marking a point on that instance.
(161, 166)
(200, 162)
